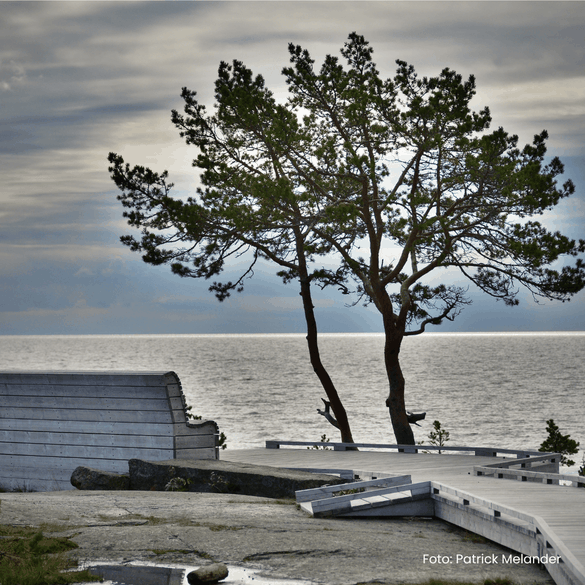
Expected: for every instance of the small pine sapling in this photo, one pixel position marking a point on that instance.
(439, 436)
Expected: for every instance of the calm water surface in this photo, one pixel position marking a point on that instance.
(486, 389)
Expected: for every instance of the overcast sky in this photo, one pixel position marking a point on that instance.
(81, 79)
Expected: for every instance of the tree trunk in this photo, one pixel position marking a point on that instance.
(336, 405)
(395, 401)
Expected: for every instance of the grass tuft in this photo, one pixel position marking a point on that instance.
(27, 557)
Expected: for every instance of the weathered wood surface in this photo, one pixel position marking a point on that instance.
(478, 451)
(351, 503)
(561, 507)
(329, 491)
(52, 422)
(526, 475)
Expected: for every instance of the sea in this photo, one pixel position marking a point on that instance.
(486, 389)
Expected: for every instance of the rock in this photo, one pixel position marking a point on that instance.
(86, 478)
(227, 477)
(209, 574)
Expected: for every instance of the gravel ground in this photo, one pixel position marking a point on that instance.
(273, 536)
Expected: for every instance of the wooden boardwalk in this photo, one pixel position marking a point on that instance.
(561, 507)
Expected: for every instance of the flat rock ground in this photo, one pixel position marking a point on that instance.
(196, 529)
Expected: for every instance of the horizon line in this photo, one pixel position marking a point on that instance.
(296, 334)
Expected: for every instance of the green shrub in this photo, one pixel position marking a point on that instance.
(556, 442)
(324, 439)
(439, 436)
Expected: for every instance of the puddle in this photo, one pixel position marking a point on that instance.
(150, 574)
(132, 575)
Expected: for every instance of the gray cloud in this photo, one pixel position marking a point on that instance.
(80, 79)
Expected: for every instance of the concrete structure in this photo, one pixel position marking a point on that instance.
(53, 422)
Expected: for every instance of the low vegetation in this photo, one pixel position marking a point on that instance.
(349, 492)
(437, 437)
(222, 439)
(324, 439)
(556, 442)
(23, 488)
(28, 557)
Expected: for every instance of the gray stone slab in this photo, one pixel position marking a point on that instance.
(196, 529)
(214, 476)
(86, 478)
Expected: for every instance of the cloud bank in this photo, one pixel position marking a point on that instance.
(80, 79)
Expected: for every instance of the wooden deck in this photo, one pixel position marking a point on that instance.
(561, 507)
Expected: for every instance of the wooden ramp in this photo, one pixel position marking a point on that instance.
(534, 519)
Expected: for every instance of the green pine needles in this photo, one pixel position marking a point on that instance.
(350, 165)
(556, 442)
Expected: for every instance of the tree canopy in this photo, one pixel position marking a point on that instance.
(373, 185)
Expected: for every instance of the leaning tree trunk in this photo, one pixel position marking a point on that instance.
(318, 367)
(322, 374)
(395, 401)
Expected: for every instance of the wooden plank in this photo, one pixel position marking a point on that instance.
(174, 390)
(202, 453)
(525, 462)
(359, 505)
(86, 451)
(129, 392)
(377, 501)
(338, 508)
(190, 428)
(329, 491)
(94, 415)
(519, 474)
(369, 475)
(194, 441)
(177, 404)
(560, 547)
(82, 403)
(340, 502)
(89, 439)
(53, 485)
(346, 474)
(55, 463)
(478, 451)
(484, 503)
(140, 427)
(101, 378)
(115, 428)
(65, 471)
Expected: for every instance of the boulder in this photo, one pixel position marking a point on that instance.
(209, 574)
(215, 476)
(86, 478)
